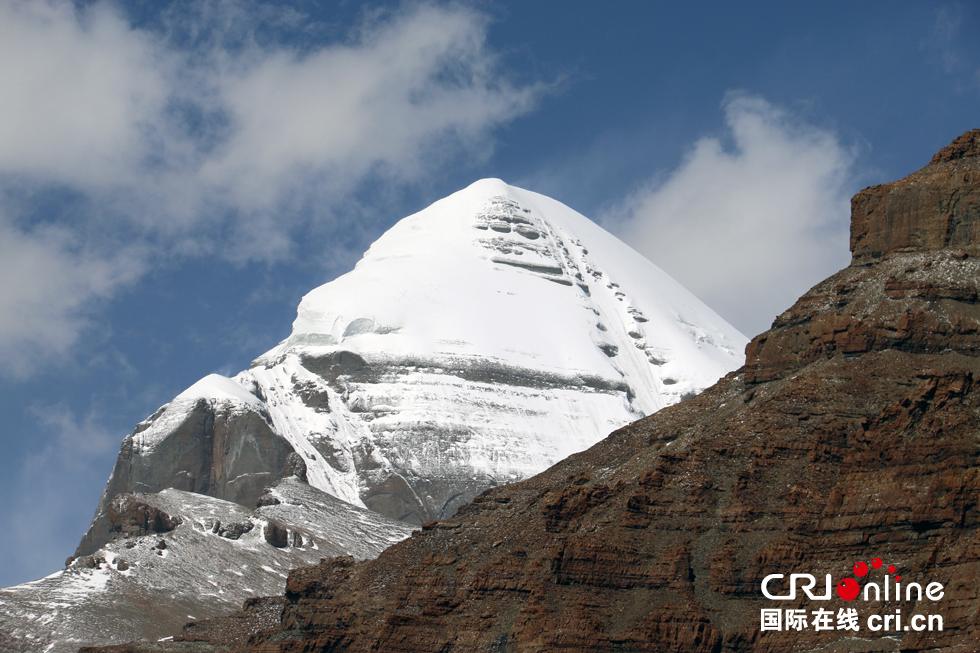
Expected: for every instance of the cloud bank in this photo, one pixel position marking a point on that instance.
(176, 146)
(750, 226)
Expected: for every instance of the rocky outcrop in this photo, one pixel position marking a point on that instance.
(934, 208)
(131, 516)
(849, 435)
(221, 448)
(179, 557)
(921, 303)
(912, 278)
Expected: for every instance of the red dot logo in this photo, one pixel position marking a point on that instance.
(891, 569)
(848, 589)
(876, 563)
(898, 578)
(861, 569)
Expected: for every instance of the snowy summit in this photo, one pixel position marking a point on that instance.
(476, 343)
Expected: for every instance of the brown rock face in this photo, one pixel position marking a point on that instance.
(962, 147)
(132, 517)
(937, 207)
(850, 435)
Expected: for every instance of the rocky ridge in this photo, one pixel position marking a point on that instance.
(849, 435)
(177, 556)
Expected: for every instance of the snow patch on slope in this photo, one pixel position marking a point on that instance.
(221, 388)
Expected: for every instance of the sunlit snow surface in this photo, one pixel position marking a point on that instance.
(502, 331)
(496, 272)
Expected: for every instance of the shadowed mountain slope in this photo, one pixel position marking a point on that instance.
(176, 556)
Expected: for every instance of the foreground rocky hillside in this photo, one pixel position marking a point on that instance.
(850, 436)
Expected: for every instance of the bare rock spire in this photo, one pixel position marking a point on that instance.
(936, 208)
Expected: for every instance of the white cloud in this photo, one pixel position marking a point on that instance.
(416, 80)
(48, 284)
(223, 146)
(77, 92)
(748, 228)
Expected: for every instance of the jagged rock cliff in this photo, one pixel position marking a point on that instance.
(850, 435)
(219, 446)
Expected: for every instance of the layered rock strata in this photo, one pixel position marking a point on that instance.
(849, 435)
(934, 208)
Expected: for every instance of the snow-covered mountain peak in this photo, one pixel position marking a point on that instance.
(477, 342)
(495, 272)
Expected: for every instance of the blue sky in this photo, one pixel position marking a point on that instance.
(175, 176)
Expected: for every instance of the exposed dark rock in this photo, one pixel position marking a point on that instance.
(313, 395)
(131, 516)
(334, 365)
(234, 530)
(276, 535)
(295, 466)
(228, 451)
(257, 615)
(608, 349)
(267, 499)
(85, 562)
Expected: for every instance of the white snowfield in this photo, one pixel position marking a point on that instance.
(494, 333)
(500, 273)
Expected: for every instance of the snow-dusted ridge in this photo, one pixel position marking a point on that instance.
(217, 555)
